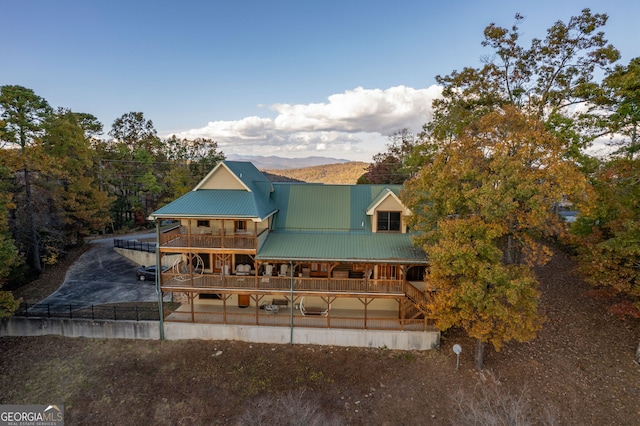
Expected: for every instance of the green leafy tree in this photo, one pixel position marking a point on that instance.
(622, 102)
(131, 164)
(24, 114)
(80, 207)
(480, 210)
(190, 161)
(547, 79)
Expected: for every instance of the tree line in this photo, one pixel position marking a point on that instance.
(506, 150)
(61, 182)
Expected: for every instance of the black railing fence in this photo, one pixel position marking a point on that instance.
(135, 245)
(94, 312)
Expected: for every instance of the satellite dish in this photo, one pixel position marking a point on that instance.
(457, 349)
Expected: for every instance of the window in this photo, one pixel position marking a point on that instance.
(203, 223)
(389, 221)
(387, 272)
(241, 225)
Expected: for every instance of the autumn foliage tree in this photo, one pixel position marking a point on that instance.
(9, 256)
(608, 245)
(481, 209)
(501, 153)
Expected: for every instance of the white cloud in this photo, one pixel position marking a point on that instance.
(354, 125)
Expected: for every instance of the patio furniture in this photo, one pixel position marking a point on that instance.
(271, 309)
(313, 310)
(283, 270)
(243, 269)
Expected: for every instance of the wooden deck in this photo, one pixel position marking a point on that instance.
(209, 241)
(347, 319)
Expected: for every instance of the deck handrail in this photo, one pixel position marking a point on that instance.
(416, 296)
(237, 241)
(272, 283)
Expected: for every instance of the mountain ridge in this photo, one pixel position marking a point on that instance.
(341, 173)
(274, 162)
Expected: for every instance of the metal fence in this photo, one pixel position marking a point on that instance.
(135, 245)
(94, 312)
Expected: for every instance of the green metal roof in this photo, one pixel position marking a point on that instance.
(251, 177)
(359, 247)
(325, 208)
(217, 203)
(311, 222)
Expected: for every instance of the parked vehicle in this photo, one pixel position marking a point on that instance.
(148, 272)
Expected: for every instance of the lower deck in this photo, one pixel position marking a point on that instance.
(305, 311)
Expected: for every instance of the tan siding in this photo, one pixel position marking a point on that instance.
(222, 179)
(390, 204)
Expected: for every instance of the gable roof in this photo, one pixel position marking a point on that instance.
(384, 194)
(214, 203)
(244, 172)
(254, 201)
(325, 208)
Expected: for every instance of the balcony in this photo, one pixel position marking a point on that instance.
(173, 282)
(181, 239)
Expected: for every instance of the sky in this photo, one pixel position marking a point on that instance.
(268, 77)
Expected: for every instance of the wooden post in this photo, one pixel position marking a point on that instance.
(479, 355)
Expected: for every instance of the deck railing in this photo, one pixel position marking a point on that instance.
(235, 241)
(252, 282)
(283, 319)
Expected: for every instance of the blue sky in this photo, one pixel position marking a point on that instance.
(288, 78)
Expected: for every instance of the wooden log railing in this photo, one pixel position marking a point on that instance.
(284, 320)
(235, 241)
(251, 282)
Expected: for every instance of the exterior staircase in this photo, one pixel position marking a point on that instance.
(417, 299)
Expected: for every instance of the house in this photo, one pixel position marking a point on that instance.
(297, 262)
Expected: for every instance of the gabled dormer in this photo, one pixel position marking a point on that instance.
(387, 213)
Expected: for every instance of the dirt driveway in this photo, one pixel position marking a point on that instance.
(101, 276)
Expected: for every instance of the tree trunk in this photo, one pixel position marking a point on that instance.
(35, 244)
(479, 355)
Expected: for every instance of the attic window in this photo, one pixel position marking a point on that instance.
(203, 223)
(388, 221)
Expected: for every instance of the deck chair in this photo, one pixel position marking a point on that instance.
(313, 310)
(268, 270)
(283, 270)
